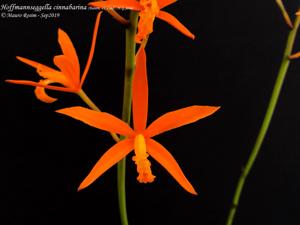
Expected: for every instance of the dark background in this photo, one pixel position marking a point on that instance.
(232, 63)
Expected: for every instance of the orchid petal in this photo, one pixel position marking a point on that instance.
(100, 120)
(92, 50)
(163, 156)
(68, 50)
(175, 23)
(36, 84)
(165, 3)
(41, 94)
(178, 118)
(120, 4)
(140, 92)
(66, 67)
(38, 66)
(110, 158)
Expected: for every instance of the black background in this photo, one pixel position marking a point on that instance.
(232, 63)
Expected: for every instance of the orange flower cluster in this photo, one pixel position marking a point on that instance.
(138, 139)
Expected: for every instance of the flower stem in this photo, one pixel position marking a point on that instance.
(126, 114)
(285, 14)
(92, 105)
(266, 122)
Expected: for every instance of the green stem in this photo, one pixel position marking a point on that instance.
(126, 114)
(92, 105)
(88, 101)
(266, 122)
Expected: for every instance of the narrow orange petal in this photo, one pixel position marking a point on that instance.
(68, 50)
(100, 120)
(92, 50)
(178, 118)
(163, 156)
(118, 17)
(66, 67)
(110, 158)
(38, 66)
(41, 94)
(140, 92)
(175, 23)
(165, 3)
(35, 84)
(120, 4)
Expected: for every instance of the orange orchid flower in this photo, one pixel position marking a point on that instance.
(68, 74)
(139, 139)
(148, 10)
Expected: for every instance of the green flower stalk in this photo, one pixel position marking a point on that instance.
(266, 122)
